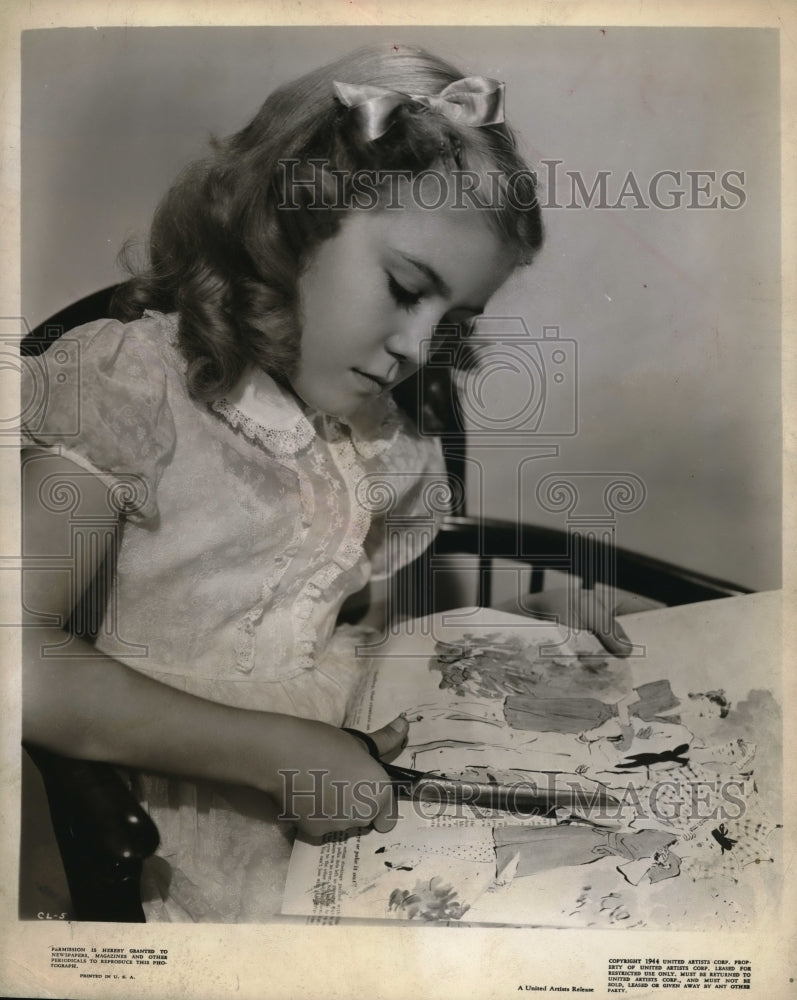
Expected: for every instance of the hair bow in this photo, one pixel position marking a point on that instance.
(474, 100)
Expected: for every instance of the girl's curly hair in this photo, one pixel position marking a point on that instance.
(227, 258)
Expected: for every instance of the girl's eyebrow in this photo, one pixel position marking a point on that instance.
(440, 286)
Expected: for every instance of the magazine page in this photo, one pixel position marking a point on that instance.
(637, 799)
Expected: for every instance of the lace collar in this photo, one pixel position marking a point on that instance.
(273, 418)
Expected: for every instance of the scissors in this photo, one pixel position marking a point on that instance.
(523, 798)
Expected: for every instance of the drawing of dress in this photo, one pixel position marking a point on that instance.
(575, 715)
(556, 715)
(655, 697)
(541, 848)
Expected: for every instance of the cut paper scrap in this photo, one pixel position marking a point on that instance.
(506, 869)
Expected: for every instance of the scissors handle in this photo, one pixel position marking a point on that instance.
(403, 779)
(369, 741)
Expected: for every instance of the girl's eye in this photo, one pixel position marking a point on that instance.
(401, 295)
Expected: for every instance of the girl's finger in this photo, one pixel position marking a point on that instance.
(594, 615)
(390, 739)
(387, 817)
(615, 641)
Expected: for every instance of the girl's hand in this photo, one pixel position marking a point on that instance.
(328, 782)
(582, 609)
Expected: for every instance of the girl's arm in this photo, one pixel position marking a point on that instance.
(96, 708)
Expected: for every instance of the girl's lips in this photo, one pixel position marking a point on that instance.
(377, 384)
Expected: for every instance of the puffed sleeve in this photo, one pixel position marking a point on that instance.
(409, 499)
(99, 397)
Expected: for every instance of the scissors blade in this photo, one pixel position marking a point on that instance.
(522, 798)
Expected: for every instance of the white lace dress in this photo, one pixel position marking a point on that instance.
(249, 521)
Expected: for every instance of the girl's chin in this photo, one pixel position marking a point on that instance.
(338, 409)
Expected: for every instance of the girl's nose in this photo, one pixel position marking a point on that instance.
(411, 343)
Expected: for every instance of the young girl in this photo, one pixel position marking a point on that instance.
(228, 422)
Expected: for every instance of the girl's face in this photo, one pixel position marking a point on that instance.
(373, 294)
